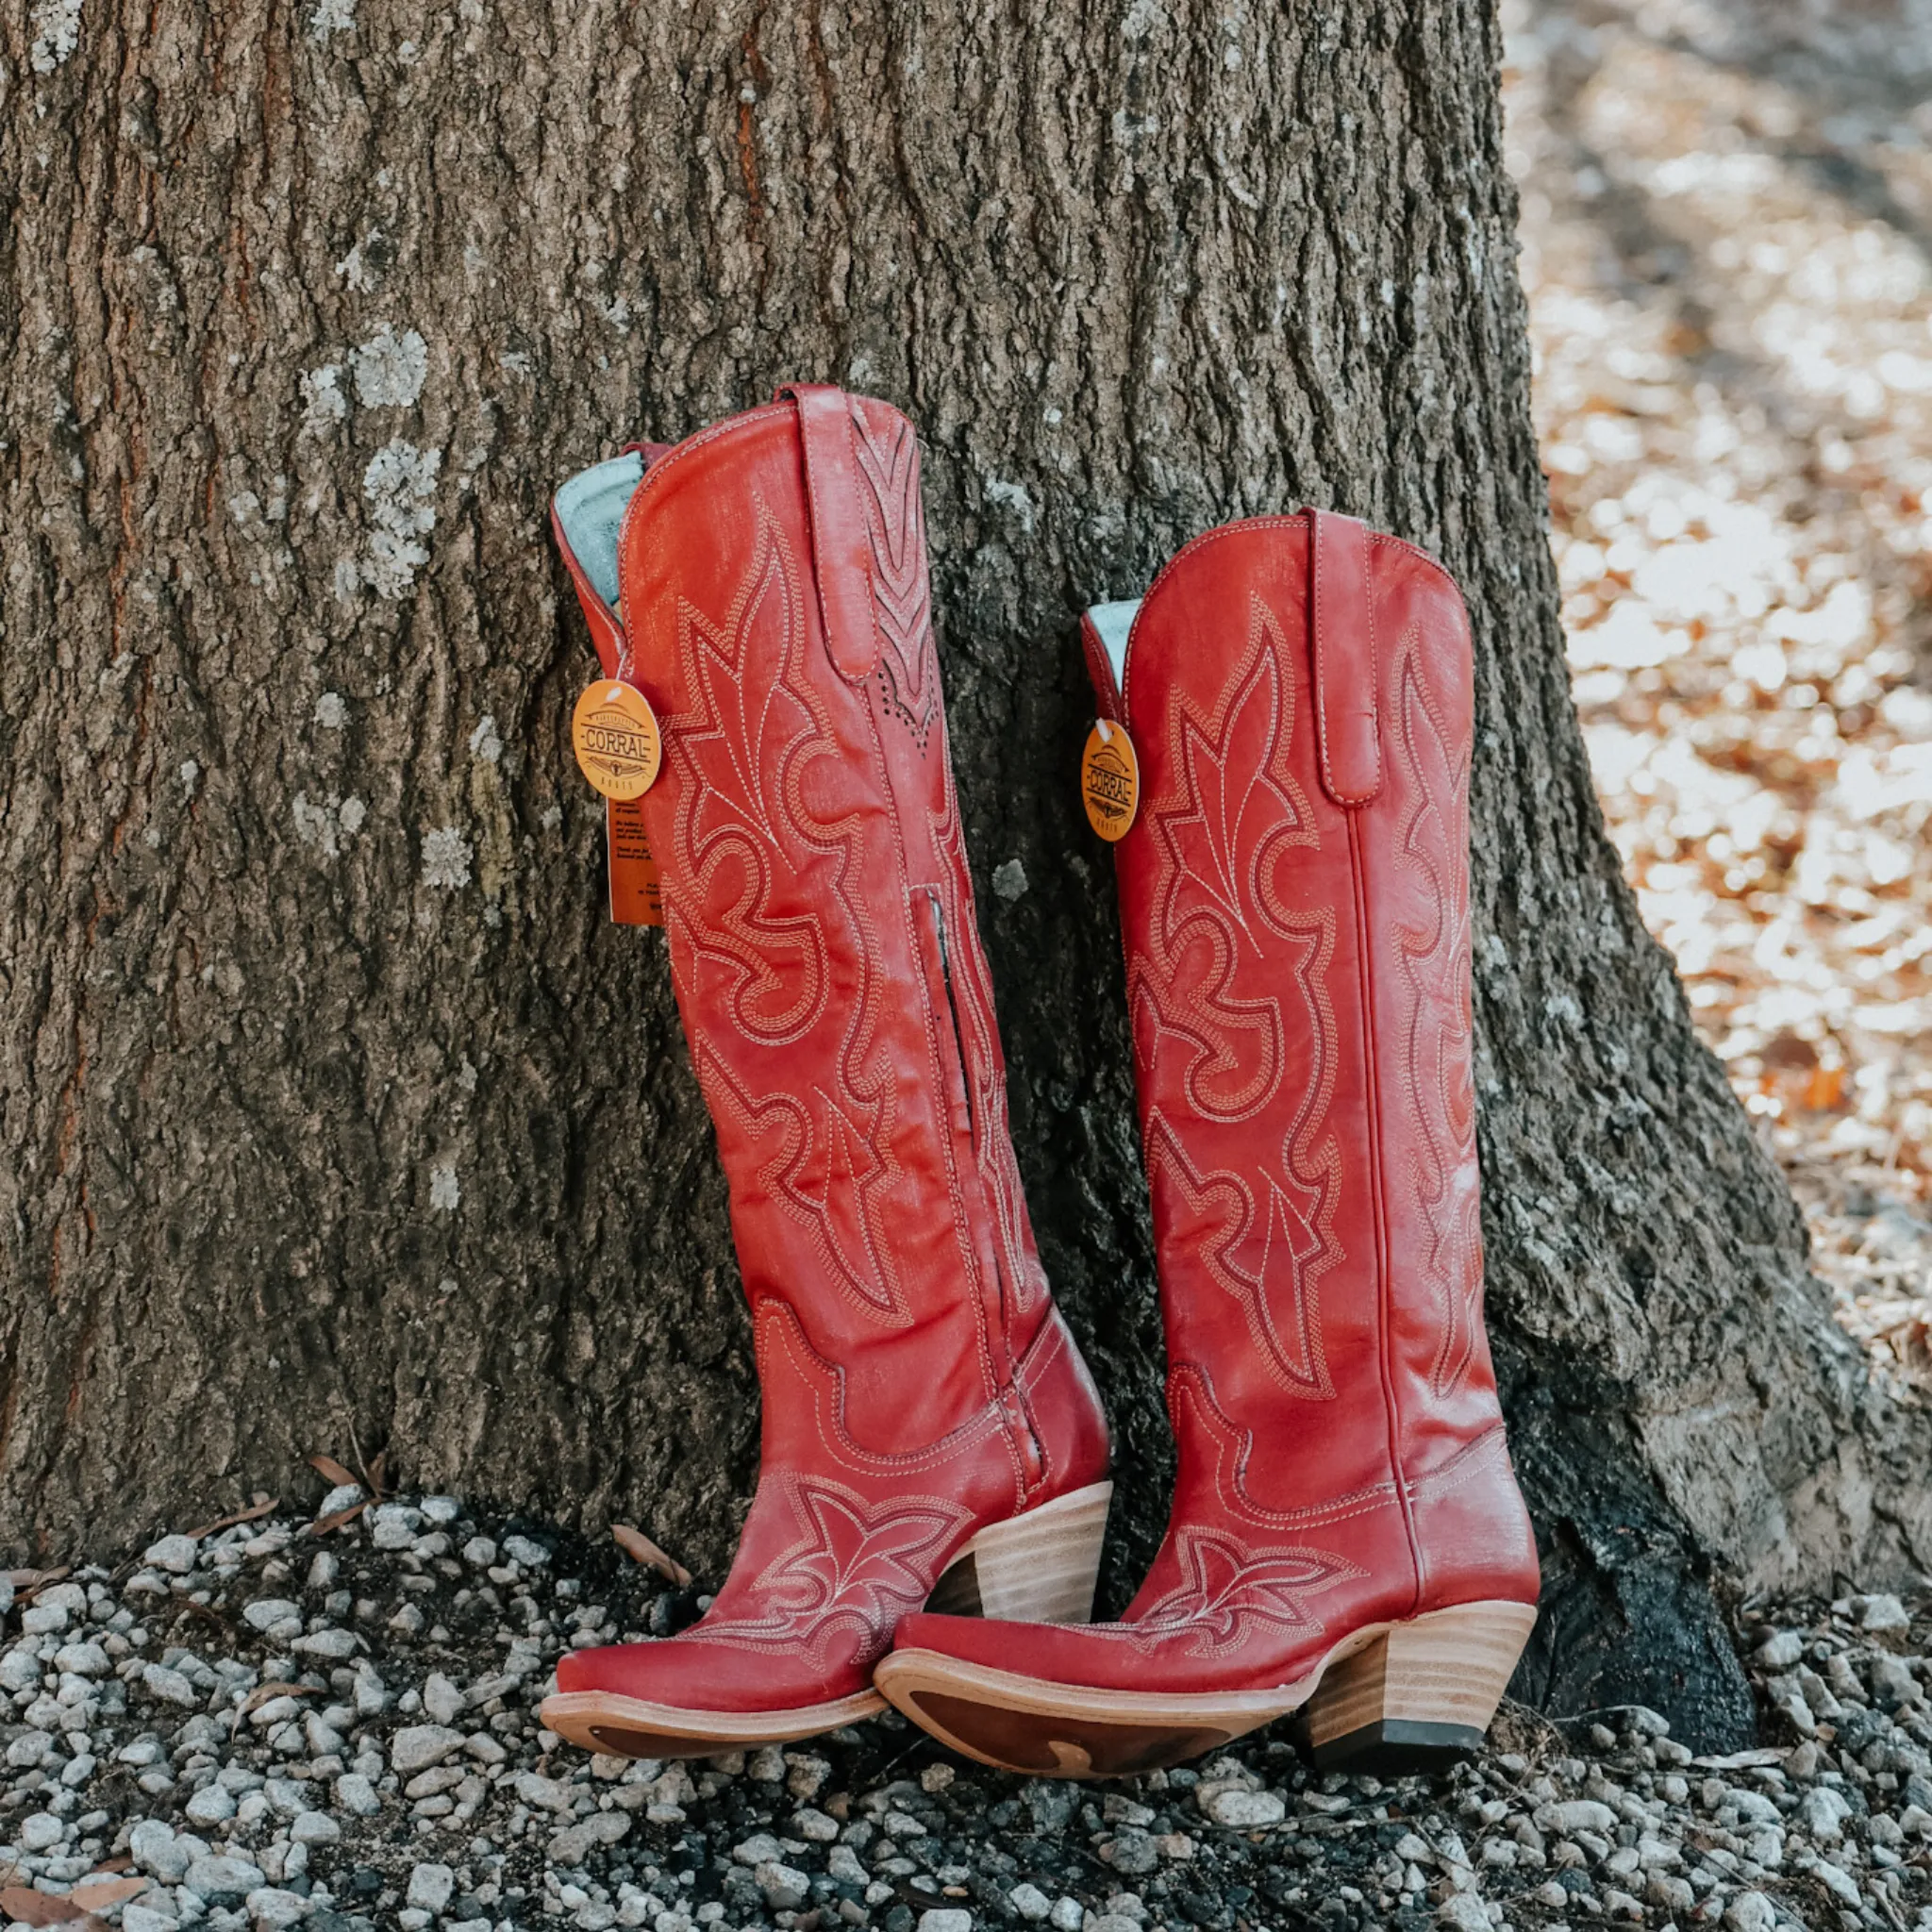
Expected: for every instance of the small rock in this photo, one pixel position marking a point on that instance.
(1750, 1911)
(481, 1551)
(945, 1919)
(441, 1699)
(419, 1746)
(1837, 1881)
(353, 1792)
(520, 1549)
(1780, 1650)
(40, 1831)
(211, 1805)
(174, 1554)
(1578, 1814)
(1243, 1810)
(335, 1646)
(442, 1511)
(272, 1908)
(157, 1851)
(1883, 1618)
(575, 1844)
(1669, 1893)
(1465, 1911)
(1893, 1680)
(1068, 1915)
(430, 1886)
(1823, 1813)
(549, 1794)
(223, 1881)
(1030, 1902)
(273, 1615)
(171, 1687)
(314, 1828)
(785, 1887)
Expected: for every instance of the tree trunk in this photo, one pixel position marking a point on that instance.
(337, 1117)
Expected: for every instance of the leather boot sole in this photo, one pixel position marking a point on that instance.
(1039, 1568)
(1390, 1698)
(629, 1727)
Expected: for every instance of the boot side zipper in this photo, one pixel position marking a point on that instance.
(939, 925)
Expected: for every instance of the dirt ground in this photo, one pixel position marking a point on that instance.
(1727, 233)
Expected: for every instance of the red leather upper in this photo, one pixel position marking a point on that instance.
(917, 1381)
(1294, 903)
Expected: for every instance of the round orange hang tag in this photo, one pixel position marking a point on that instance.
(614, 732)
(1109, 780)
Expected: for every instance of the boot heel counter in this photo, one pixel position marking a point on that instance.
(1065, 1409)
(1472, 1529)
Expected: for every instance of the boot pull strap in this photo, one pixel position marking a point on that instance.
(840, 539)
(1341, 621)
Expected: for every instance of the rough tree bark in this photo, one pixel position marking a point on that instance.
(332, 1109)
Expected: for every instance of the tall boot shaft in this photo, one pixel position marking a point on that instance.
(824, 946)
(1294, 906)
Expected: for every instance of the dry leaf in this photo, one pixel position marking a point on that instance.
(640, 1549)
(262, 1505)
(338, 1476)
(27, 1907)
(97, 1895)
(378, 1475)
(27, 1581)
(1825, 1089)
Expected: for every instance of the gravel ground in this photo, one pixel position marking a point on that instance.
(264, 1727)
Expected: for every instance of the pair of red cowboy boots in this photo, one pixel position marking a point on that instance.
(1347, 1539)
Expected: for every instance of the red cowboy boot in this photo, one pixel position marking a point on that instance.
(1347, 1533)
(927, 1421)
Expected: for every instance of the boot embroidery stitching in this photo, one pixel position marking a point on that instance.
(1232, 1447)
(1252, 1242)
(854, 1565)
(1228, 1588)
(1229, 809)
(765, 852)
(825, 1384)
(902, 596)
(1438, 1027)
